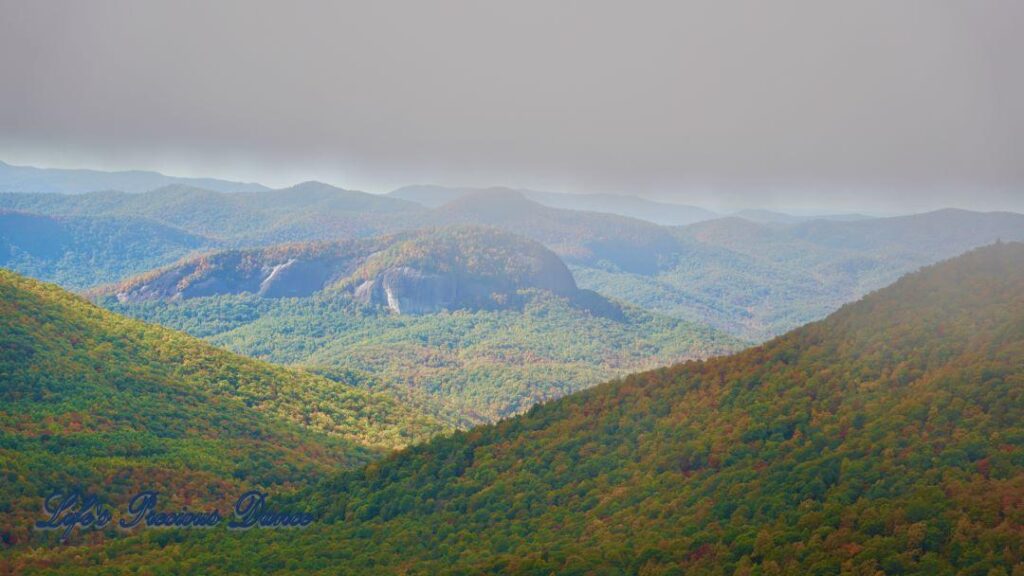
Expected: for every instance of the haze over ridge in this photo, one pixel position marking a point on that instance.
(896, 107)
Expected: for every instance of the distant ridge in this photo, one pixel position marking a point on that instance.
(664, 213)
(773, 217)
(30, 179)
(577, 236)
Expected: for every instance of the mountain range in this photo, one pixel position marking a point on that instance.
(453, 381)
(751, 279)
(886, 438)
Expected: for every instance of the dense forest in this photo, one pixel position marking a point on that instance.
(90, 399)
(886, 438)
(465, 366)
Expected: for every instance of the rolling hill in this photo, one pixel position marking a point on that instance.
(308, 211)
(887, 438)
(96, 401)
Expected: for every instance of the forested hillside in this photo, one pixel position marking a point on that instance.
(887, 438)
(92, 400)
(466, 366)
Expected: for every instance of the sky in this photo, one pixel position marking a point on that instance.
(867, 105)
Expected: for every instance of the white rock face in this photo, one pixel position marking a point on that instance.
(274, 273)
(406, 290)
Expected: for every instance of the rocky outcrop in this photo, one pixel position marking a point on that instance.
(270, 274)
(415, 273)
(409, 291)
(463, 268)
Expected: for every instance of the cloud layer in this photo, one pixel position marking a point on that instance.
(868, 105)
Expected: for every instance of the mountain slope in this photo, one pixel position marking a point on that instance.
(29, 179)
(887, 438)
(78, 252)
(93, 400)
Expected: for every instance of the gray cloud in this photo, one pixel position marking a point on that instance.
(872, 105)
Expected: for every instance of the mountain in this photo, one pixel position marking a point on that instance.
(470, 324)
(887, 438)
(27, 179)
(96, 401)
(78, 252)
(754, 280)
(757, 280)
(413, 272)
(299, 269)
(473, 268)
(591, 238)
(664, 213)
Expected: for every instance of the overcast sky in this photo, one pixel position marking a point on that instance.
(881, 106)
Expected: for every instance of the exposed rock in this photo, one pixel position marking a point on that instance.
(409, 291)
(415, 273)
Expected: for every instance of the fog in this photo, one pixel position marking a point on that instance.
(873, 106)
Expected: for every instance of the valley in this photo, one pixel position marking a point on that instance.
(886, 437)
